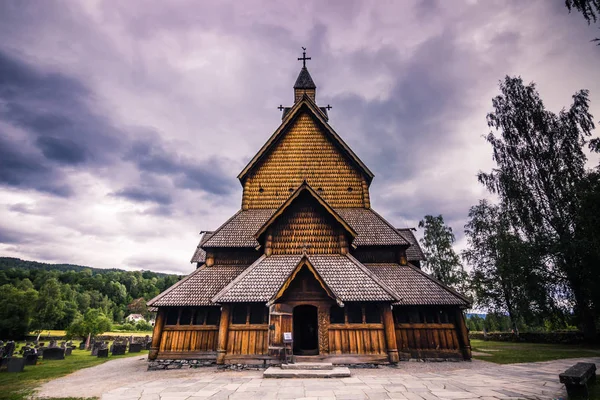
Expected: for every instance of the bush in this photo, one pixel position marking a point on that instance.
(143, 325)
(126, 327)
(92, 323)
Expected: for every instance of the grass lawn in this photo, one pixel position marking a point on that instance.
(512, 352)
(18, 386)
(60, 333)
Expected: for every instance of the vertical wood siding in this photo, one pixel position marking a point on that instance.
(361, 339)
(414, 338)
(189, 340)
(248, 339)
(305, 153)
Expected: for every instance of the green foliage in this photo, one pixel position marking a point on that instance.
(94, 322)
(516, 352)
(540, 168)
(16, 310)
(442, 261)
(39, 296)
(143, 326)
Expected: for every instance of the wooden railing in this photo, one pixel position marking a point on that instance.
(189, 338)
(248, 339)
(434, 337)
(356, 339)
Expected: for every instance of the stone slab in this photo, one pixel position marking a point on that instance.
(308, 365)
(277, 372)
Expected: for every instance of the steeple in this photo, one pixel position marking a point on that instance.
(304, 84)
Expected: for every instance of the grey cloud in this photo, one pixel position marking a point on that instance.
(140, 194)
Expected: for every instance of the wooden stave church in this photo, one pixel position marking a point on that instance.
(307, 254)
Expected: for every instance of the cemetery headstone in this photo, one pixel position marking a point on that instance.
(31, 359)
(135, 347)
(68, 351)
(54, 353)
(119, 348)
(9, 349)
(52, 344)
(82, 346)
(95, 347)
(103, 352)
(16, 364)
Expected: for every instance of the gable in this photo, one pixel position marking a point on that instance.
(306, 227)
(304, 152)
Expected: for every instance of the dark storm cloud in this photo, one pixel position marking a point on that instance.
(140, 194)
(150, 155)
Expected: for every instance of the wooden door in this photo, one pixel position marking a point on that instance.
(280, 321)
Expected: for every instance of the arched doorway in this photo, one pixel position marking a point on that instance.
(306, 329)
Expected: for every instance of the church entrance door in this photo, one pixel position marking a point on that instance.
(306, 329)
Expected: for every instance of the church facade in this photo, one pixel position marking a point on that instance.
(306, 254)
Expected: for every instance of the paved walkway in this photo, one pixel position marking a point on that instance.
(127, 379)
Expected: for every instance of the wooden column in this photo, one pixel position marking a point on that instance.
(223, 331)
(323, 326)
(463, 334)
(157, 334)
(390, 334)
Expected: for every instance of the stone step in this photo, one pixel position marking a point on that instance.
(277, 372)
(308, 365)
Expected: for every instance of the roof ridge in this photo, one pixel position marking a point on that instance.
(373, 276)
(222, 292)
(438, 282)
(388, 224)
(321, 119)
(304, 186)
(169, 290)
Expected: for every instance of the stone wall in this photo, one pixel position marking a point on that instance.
(178, 364)
(559, 337)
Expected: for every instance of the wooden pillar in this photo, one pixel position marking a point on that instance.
(390, 334)
(463, 334)
(157, 333)
(323, 326)
(223, 332)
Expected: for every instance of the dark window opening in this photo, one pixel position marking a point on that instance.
(200, 316)
(257, 314)
(336, 315)
(372, 314)
(186, 317)
(213, 316)
(401, 316)
(172, 315)
(349, 189)
(238, 315)
(354, 314)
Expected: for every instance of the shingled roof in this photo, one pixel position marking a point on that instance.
(414, 252)
(200, 254)
(347, 279)
(304, 80)
(415, 287)
(199, 287)
(370, 227)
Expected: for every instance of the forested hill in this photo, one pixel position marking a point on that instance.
(9, 262)
(35, 295)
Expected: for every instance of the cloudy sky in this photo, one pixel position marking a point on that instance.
(123, 124)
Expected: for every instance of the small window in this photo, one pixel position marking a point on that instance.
(213, 316)
(443, 317)
(260, 190)
(200, 316)
(186, 317)
(257, 314)
(354, 314)
(349, 188)
(172, 315)
(238, 315)
(336, 315)
(372, 314)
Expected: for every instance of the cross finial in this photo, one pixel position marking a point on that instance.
(280, 108)
(328, 107)
(304, 58)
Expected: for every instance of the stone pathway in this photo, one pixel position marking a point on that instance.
(127, 379)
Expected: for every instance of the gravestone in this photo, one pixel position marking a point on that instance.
(41, 351)
(82, 346)
(52, 344)
(16, 364)
(68, 351)
(9, 349)
(31, 359)
(54, 353)
(103, 352)
(118, 349)
(135, 347)
(95, 347)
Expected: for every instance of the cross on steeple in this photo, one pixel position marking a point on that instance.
(280, 108)
(328, 107)
(304, 58)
